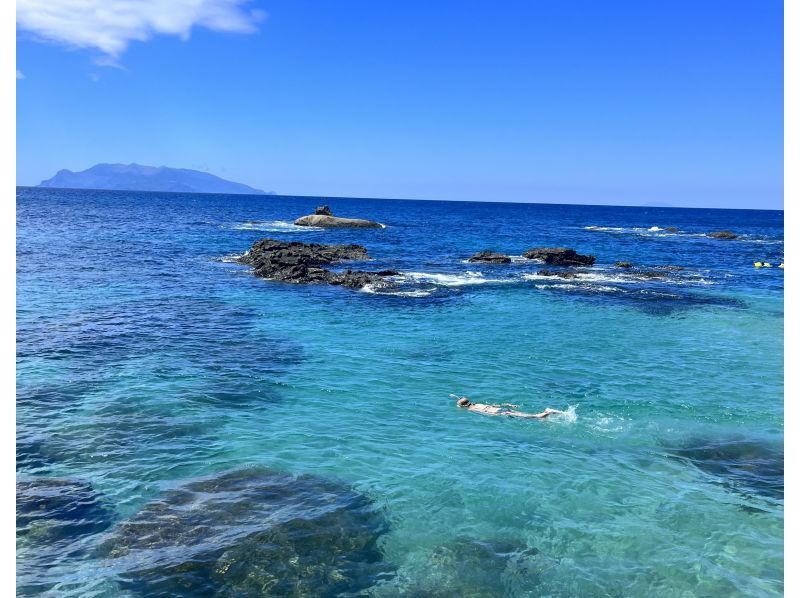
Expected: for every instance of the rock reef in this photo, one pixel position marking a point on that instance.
(723, 234)
(302, 263)
(559, 256)
(323, 217)
(490, 257)
(252, 532)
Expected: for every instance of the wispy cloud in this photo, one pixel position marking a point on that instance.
(20, 75)
(110, 25)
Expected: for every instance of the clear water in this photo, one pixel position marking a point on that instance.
(145, 360)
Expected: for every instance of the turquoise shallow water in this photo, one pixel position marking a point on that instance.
(146, 360)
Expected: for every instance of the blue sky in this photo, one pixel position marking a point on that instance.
(613, 102)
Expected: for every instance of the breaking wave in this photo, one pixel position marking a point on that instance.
(275, 226)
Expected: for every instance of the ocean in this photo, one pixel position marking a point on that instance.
(186, 428)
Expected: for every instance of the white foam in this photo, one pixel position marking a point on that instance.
(232, 258)
(580, 288)
(605, 229)
(569, 416)
(382, 289)
(450, 280)
(581, 277)
(275, 226)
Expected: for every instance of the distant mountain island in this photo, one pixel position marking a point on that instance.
(136, 177)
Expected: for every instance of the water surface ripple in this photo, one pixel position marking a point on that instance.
(156, 378)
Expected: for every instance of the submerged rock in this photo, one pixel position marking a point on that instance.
(477, 568)
(51, 509)
(490, 257)
(623, 265)
(563, 274)
(55, 517)
(723, 234)
(672, 229)
(559, 256)
(670, 267)
(252, 532)
(302, 263)
(742, 463)
(323, 217)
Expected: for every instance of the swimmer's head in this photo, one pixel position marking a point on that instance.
(463, 402)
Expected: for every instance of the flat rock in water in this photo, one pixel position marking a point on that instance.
(490, 257)
(559, 256)
(328, 221)
(303, 263)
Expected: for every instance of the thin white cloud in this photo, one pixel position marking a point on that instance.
(20, 75)
(110, 25)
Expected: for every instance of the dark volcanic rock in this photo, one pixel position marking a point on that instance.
(672, 229)
(559, 256)
(490, 257)
(624, 265)
(723, 234)
(302, 263)
(254, 532)
(559, 274)
(323, 211)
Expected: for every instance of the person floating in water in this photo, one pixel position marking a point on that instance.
(506, 409)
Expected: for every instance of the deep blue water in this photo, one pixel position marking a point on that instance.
(149, 363)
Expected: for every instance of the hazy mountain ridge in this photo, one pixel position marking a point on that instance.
(137, 177)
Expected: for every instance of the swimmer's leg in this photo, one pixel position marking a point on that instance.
(522, 415)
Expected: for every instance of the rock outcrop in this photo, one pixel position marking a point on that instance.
(490, 257)
(623, 265)
(323, 217)
(559, 256)
(302, 263)
(723, 234)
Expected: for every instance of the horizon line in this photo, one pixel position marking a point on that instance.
(268, 194)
